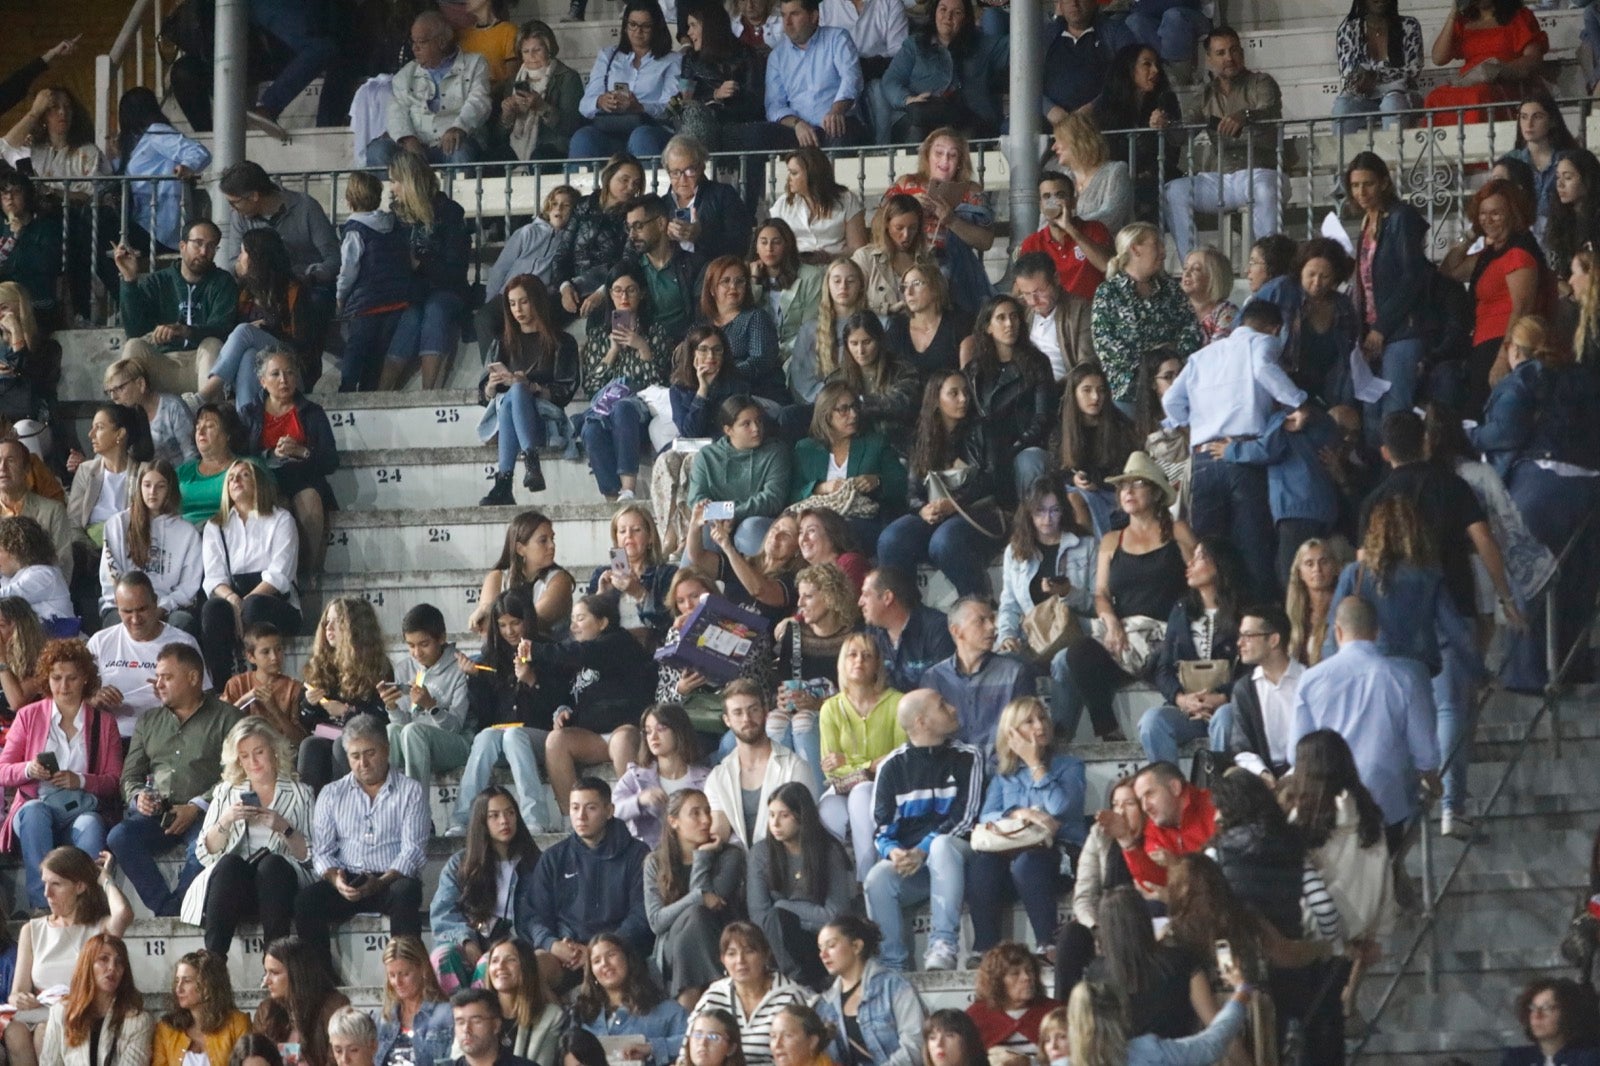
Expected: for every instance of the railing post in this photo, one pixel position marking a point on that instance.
(1027, 90)
(228, 97)
(1552, 661)
(102, 103)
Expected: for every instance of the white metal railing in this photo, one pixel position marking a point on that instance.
(135, 54)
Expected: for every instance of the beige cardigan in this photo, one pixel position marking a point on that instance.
(133, 1043)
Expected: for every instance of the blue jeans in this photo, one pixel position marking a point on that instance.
(310, 51)
(1174, 32)
(520, 749)
(1221, 725)
(1028, 467)
(1355, 109)
(431, 327)
(613, 443)
(380, 150)
(236, 364)
(39, 828)
(136, 841)
(1401, 360)
(1452, 699)
(1230, 500)
(366, 342)
(610, 134)
(1165, 729)
(942, 878)
(1066, 706)
(960, 552)
(799, 733)
(521, 428)
(995, 880)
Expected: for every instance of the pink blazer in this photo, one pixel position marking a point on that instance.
(26, 738)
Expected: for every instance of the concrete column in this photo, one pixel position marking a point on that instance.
(1027, 89)
(232, 82)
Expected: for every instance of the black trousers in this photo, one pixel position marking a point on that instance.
(239, 890)
(219, 641)
(1098, 678)
(320, 907)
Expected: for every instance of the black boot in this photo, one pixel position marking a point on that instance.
(532, 476)
(500, 495)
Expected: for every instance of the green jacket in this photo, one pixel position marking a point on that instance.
(869, 454)
(35, 260)
(160, 299)
(756, 479)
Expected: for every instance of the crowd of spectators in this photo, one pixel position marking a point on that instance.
(1185, 497)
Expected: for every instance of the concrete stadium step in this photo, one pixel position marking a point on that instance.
(392, 593)
(156, 944)
(448, 538)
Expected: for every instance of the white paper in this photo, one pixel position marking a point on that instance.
(1369, 388)
(1334, 230)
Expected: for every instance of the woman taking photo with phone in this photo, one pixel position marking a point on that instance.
(625, 351)
(255, 842)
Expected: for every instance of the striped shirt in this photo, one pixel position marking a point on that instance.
(755, 1028)
(371, 834)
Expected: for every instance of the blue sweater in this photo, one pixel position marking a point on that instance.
(1298, 485)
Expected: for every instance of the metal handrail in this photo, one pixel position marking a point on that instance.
(110, 68)
(1557, 667)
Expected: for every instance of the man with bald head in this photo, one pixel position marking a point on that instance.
(924, 801)
(976, 680)
(441, 99)
(1381, 705)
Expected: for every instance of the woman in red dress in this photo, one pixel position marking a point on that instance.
(1501, 46)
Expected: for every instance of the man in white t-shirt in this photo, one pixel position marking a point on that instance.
(127, 653)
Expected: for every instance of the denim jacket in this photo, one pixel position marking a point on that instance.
(1075, 558)
(445, 918)
(1509, 419)
(924, 66)
(1060, 795)
(432, 1031)
(1298, 485)
(663, 1027)
(1415, 615)
(891, 1016)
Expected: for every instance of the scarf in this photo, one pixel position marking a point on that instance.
(525, 128)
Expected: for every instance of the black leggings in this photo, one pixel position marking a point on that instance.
(1098, 678)
(218, 640)
(238, 890)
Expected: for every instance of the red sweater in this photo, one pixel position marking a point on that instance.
(995, 1025)
(1197, 821)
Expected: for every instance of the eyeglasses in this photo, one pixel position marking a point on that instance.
(707, 1038)
(646, 25)
(635, 227)
(1544, 1008)
(111, 391)
(631, 290)
(684, 172)
(846, 409)
(914, 283)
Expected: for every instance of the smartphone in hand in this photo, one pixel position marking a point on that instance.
(624, 320)
(719, 511)
(48, 760)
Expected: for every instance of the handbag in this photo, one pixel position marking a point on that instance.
(71, 801)
(1050, 626)
(1005, 836)
(1144, 634)
(944, 484)
(847, 502)
(1204, 675)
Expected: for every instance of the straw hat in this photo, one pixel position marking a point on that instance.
(1143, 468)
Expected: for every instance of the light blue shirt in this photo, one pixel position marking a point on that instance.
(157, 154)
(807, 81)
(1229, 387)
(653, 81)
(1383, 707)
(1059, 794)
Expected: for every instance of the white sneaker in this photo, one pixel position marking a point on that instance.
(1455, 825)
(455, 832)
(939, 957)
(625, 494)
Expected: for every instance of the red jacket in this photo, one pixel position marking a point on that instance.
(1197, 821)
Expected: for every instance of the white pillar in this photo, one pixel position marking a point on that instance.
(1027, 90)
(231, 83)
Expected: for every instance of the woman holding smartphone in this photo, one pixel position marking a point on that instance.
(255, 842)
(625, 351)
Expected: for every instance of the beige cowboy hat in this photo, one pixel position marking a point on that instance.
(1143, 468)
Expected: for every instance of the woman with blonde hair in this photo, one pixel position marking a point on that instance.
(348, 661)
(899, 242)
(102, 1021)
(435, 227)
(806, 657)
(819, 348)
(127, 381)
(959, 221)
(762, 582)
(640, 588)
(1317, 565)
(204, 1019)
(1139, 307)
(414, 1007)
(33, 356)
(1105, 189)
(1097, 1027)
(151, 536)
(1207, 279)
(250, 550)
(1038, 787)
(860, 726)
(257, 807)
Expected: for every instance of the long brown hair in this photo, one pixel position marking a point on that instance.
(353, 668)
(930, 450)
(672, 875)
(1395, 535)
(1100, 449)
(545, 350)
(216, 994)
(640, 994)
(80, 1005)
(139, 516)
(532, 995)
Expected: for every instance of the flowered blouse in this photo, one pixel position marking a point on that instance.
(641, 371)
(1350, 45)
(974, 208)
(1125, 325)
(1218, 322)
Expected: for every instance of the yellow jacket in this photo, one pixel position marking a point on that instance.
(170, 1044)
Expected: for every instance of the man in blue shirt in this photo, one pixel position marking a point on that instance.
(813, 80)
(976, 681)
(1079, 47)
(1227, 391)
(910, 635)
(1383, 708)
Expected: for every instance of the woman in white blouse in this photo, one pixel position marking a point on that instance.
(250, 549)
(152, 536)
(826, 217)
(120, 439)
(28, 570)
(258, 805)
